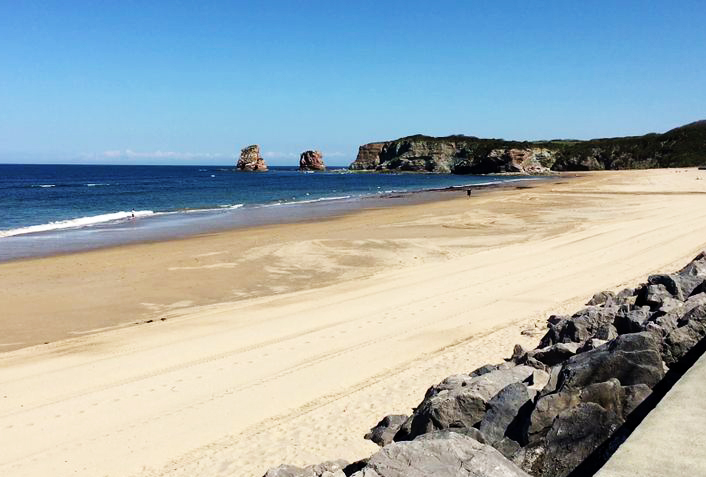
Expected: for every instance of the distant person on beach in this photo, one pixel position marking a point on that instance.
(133, 214)
(468, 193)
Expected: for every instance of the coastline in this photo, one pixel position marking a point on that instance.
(122, 278)
(117, 229)
(368, 309)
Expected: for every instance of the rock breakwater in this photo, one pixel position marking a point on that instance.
(553, 410)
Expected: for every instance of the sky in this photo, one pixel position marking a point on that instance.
(192, 82)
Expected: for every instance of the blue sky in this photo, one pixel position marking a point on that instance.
(193, 82)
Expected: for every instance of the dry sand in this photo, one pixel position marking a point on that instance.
(286, 343)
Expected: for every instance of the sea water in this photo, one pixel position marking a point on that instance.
(50, 208)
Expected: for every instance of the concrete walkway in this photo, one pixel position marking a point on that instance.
(671, 441)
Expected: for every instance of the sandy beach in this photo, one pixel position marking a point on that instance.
(228, 353)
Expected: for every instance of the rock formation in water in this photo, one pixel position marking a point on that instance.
(558, 410)
(311, 161)
(250, 159)
(680, 147)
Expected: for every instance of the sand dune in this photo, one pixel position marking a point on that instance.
(352, 318)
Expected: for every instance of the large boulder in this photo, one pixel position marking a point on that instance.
(566, 427)
(610, 395)
(591, 322)
(506, 413)
(691, 329)
(554, 354)
(631, 358)
(459, 401)
(385, 430)
(683, 283)
(250, 159)
(574, 435)
(631, 320)
(440, 454)
(311, 161)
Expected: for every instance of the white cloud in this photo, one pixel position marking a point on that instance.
(279, 155)
(158, 154)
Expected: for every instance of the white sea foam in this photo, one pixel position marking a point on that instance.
(96, 185)
(230, 206)
(75, 223)
(44, 186)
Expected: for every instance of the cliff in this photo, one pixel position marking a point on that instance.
(681, 147)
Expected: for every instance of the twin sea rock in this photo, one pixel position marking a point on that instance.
(251, 160)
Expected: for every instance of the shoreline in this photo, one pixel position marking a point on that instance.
(367, 309)
(122, 278)
(179, 225)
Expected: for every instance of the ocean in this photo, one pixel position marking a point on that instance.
(46, 209)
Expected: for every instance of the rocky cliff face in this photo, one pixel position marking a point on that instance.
(459, 155)
(681, 147)
(311, 161)
(250, 159)
(368, 157)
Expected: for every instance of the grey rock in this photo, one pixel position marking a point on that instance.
(631, 358)
(507, 447)
(679, 341)
(654, 294)
(632, 321)
(579, 327)
(573, 436)
(504, 415)
(693, 301)
(664, 324)
(440, 455)
(553, 381)
(519, 354)
(691, 277)
(555, 354)
(608, 402)
(487, 368)
(682, 284)
(610, 395)
(671, 305)
(633, 397)
(385, 430)
(605, 332)
(625, 297)
(538, 379)
(601, 298)
(449, 383)
(593, 343)
(460, 402)
(332, 468)
(471, 432)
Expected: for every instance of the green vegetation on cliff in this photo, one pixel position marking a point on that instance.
(684, 146)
